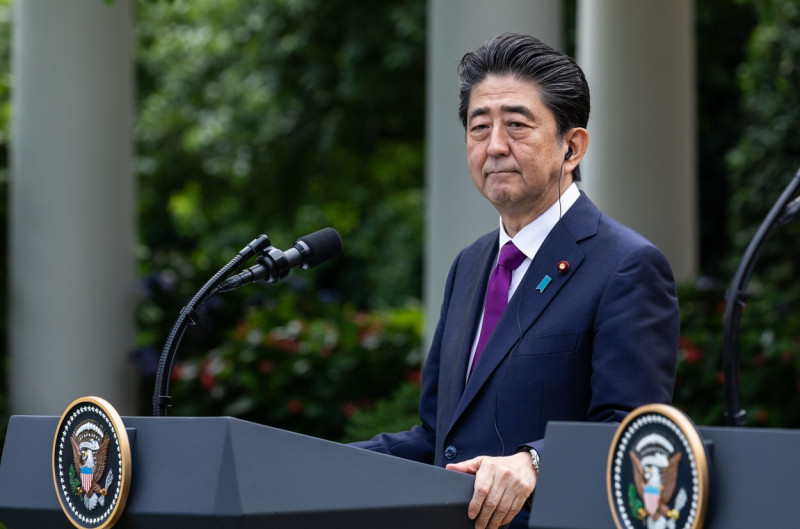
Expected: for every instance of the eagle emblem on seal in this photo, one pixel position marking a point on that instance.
(655, 476)
(90, 452)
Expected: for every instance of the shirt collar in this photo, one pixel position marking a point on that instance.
(531, 237)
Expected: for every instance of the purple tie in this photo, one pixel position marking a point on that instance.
(497, 293)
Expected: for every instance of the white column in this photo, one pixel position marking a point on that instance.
(638, 56)
(456, 214)
(71, 283)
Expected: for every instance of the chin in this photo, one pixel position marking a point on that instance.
(501, 195)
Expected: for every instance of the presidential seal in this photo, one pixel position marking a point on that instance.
(657, 476)
(91, 464)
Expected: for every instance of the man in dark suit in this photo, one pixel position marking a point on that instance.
(590, 329)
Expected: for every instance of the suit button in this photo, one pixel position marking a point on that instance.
(450, 452)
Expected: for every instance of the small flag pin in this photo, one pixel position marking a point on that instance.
(543, 283)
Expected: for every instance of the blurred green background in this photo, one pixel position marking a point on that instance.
(292, 115)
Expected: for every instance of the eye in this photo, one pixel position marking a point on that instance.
(479, 131)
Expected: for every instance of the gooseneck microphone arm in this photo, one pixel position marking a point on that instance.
(272, 266)
(735, 299)
(188, 315)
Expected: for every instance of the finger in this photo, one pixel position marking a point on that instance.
(482, 488)
(469, 466)
(506, 497)
(495, 511)
(516, 506)
(511, 504)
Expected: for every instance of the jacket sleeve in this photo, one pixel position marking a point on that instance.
(636, 336)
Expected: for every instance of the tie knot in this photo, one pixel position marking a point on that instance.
(510, 256)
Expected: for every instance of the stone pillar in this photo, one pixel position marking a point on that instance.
(456, 214)
(638, 56)
(71, 237)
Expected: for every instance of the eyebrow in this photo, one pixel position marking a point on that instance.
(514, 109)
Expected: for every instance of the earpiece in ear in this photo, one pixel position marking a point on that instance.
(569, 153)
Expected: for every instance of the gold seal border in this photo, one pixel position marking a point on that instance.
(125, 456)
(689, 430)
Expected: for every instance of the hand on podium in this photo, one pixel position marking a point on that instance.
(502, 486)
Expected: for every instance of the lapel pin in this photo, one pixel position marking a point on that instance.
(563, 267)
(543, 283)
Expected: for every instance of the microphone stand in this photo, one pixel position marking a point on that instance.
(188, 315)
(735, 299)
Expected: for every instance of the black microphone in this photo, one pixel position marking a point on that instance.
(273, 265)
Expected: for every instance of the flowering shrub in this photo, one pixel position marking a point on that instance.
(396, 413)
(304, 374)
(769, 353)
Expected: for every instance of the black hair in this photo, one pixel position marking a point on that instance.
(562, 85)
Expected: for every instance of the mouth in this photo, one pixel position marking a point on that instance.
(500, 172)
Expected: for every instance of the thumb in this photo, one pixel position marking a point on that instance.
(469, 466)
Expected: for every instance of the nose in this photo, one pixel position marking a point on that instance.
(498, 142)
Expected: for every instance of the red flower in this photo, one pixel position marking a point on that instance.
(414, 376)
(689, 352)
(287, 344)
(207, 378)
(295, 406)
(241, 330)
(266, 366)
(348, 409)
(360, 318)
(175, 374)
(183, 371)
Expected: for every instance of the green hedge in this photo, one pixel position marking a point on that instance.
(307, 374)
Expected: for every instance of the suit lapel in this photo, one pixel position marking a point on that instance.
(455, 355)
(533, 294)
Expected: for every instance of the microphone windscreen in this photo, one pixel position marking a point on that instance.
(322, 245)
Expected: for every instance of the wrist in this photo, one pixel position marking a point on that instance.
(532, 454)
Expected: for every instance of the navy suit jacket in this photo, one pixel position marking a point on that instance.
(596, 342)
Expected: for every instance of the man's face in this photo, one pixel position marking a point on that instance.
(513, 151)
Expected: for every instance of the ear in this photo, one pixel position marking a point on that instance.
(576, 139)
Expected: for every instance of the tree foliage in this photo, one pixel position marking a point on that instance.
(760, 164)
(765, 158)
(723, 30)
(280, 117)
(768, 153)
(283, 117)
